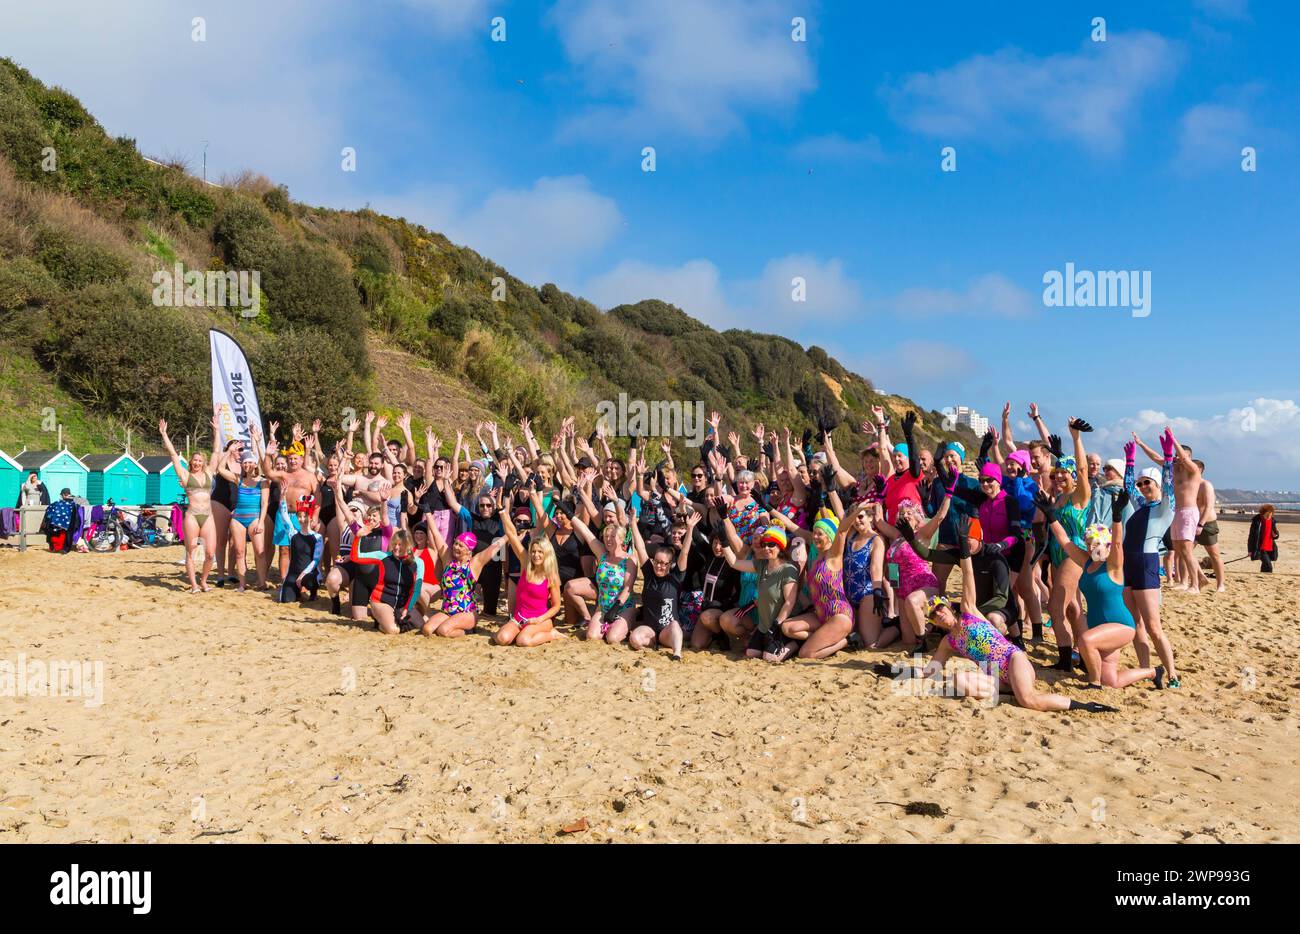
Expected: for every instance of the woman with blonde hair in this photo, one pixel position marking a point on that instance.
(537, 595)
(196, 480)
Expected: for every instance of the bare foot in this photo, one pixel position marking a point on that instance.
(1222, 588)
(194, 588)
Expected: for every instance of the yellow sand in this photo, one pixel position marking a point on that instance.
(227, 717)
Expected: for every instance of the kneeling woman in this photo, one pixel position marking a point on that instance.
(537, 595)
(401, 575)
(458, 569)
(1110, 624)
(661, 594)
(825, 630)
(1006, 666)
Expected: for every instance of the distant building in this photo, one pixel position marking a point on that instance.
(972, 419)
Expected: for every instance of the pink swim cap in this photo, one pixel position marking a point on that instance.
(468, 539)
(991, 470)
(1021, 458)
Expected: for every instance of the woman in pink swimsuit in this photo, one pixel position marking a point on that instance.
(537, 595)
(915, 583)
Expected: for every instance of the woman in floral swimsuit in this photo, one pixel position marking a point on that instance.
(458, 569)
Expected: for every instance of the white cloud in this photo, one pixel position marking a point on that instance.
(541, 234)
(694, 286)
(990, 294)
(1255, 446)
(1090, 95)
(692, 68)
(1211, 136)
(834, 147)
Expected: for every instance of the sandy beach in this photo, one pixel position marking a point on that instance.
(226, 717)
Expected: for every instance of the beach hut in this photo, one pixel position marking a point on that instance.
(11, 480)
(118, 477)
(57, 469)
(161, 486)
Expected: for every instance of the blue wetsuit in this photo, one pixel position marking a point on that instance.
(1148, 524)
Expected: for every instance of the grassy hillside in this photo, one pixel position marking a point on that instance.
(85, 221)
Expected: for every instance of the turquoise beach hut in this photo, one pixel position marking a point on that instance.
(57, 469)
(11, 480)
(118, 477)
(161, 486)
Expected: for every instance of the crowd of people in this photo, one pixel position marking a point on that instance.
(768, 546)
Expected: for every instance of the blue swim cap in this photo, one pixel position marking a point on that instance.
(902, 448)
(958, 447)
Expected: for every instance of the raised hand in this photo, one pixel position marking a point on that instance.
(1054, 443)
(733, 439)
(162, 427)
(1006, 410)
(909, 423)
(275, 430)
(878, 414)
(1077, 425)
(1119, 498)
(1033, 411)
(1167, 443)
(404, 421)
(1130, 452)
(758, 433)
(1045, 506)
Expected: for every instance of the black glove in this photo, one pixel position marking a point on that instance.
(1080, 424)
(1092, 707)
(1045, 506)
(880, 484)
(1119, 499)
(945, 476)
(986, 444)
(909, 422)
(1054, 443)
(905, 530)
(991, 548)
(807, 438)
(963, 537)
(769, 451)
(609, 615)
(878, 598)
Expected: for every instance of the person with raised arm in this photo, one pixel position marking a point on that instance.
(615, 575)
(1071, 492)
(458, 570)
(199, 526)
(826, 628)
(777, 588)
(663, 579)
(248, 519)
(537, 596)
(1151, 497)
(1004, 667)
(1110, 623)
(400, 578)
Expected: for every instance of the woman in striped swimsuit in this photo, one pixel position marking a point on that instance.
(826, 629)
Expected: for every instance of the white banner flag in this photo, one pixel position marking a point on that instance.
(232, 390)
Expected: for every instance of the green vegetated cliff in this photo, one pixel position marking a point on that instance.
(86, 221)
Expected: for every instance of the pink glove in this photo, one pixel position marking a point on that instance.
(1130, 452)
(1167, 444)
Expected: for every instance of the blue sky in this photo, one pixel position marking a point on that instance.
(776, 159)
